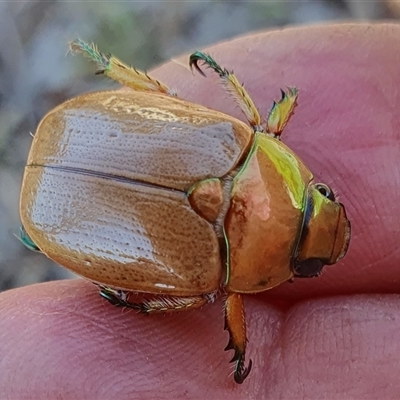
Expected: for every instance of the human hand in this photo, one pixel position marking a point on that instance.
(331, 337)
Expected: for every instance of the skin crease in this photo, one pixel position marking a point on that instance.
(334, 337)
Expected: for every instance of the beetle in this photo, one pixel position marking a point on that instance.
(140, 191)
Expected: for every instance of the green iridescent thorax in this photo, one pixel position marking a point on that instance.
(266, 212)
(294, 176)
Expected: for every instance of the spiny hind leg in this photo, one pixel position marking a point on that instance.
(280, 112)
(118, 71)
(235, 323)
(157, 303)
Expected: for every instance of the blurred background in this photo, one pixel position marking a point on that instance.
(36, 75)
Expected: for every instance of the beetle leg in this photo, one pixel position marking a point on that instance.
(235, 323)
(232, 86)
(26, 240)
(281, 112)
(117, 70)
(158, 304)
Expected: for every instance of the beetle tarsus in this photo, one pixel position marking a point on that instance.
(26, 240)
(118, 71)
(193, 62)
(241, 372)
(118, 298)
(112, 296)
(208, 61)
(234, 88)
(90, 51)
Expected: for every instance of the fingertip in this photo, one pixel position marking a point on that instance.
(63, 338)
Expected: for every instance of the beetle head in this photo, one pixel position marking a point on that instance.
(325, 233)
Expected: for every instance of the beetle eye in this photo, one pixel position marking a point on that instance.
(326, 191)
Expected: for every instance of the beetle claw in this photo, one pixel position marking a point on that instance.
(193, 62)
(208, 61)
(241, 372)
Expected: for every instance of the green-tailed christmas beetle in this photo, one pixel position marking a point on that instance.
(139, 191)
